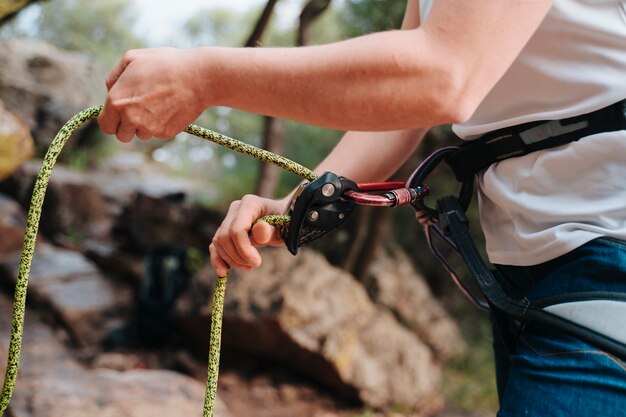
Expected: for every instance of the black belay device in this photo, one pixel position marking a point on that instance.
(316, 208)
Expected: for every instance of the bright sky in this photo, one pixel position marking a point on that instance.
(158, 18)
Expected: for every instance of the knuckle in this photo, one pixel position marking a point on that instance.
(219, 237)
(249, 198)
(234, 205)
(115, 104)
(130, 55)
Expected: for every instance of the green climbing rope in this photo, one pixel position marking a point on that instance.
(32, 226)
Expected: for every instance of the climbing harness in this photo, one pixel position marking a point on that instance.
(323, 203)
(583, 315)
(523, 139)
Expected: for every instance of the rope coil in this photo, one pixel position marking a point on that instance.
(32, 226)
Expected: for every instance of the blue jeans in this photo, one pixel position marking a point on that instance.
(543, 372)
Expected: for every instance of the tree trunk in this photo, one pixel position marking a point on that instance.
(261, 24)
(273, 138)
(311, 11)
(269, 175)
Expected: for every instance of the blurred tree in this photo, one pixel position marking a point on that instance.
(273, 138)
(102, 29)
(367, 16)
(261, 24)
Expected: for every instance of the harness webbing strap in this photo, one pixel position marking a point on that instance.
(501, 144)
(455, 225)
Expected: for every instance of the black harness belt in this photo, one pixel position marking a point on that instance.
(476, 155)
(591, 316)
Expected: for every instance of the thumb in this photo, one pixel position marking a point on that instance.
(264, 234)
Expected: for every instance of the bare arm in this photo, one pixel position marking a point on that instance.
(437, 73)
(360, 156)
(371, 156)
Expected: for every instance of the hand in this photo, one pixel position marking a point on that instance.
(235, 241)
(152, 92)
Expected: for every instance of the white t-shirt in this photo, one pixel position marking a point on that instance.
(539, 206)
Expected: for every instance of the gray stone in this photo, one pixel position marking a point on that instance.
(51, 383)
(317, 319)
(166, 220)
(69, 285)
(12, 226)
(401, 288)
(73, 206)
(44, 85)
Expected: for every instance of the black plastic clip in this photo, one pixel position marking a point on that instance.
(317, 208)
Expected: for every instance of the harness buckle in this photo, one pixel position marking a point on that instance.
(316, 208)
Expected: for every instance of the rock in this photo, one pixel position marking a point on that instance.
(105, 393)
(8, 9)
(126, 173)
(45, 86)
(73, 209)
(317, 319)
(12, 226)
(16, 144)
(400, 288)
(72, 288)
(53, 384)
(149, 221)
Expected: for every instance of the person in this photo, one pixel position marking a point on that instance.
(554, 220)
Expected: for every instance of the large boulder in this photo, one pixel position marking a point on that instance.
(51, 383)
(74, 207)
(12, 225)
(44, 85)
(72, 289)
(398, 286)
(16, 144)
(150, 220)
(317, 319)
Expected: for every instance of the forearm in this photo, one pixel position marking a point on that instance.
(434, 74)
(365, 84)
(371, 156)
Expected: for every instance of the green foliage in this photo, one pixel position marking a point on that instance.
(366, 412)
(100, 28)
(329, 27)
(307, 145)
(367, 16)
(100, 147)
(468, 381)
(217, 26)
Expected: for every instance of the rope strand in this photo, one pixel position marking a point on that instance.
(32, 226)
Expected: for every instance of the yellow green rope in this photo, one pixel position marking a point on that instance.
(32, 225)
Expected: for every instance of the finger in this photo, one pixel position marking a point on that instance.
(225, 247)
(227, 250)
(115, 73)
(250, 209)
(219, 265)
(143, 134)
(264, 234)
(109, 119)
(125, 132)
